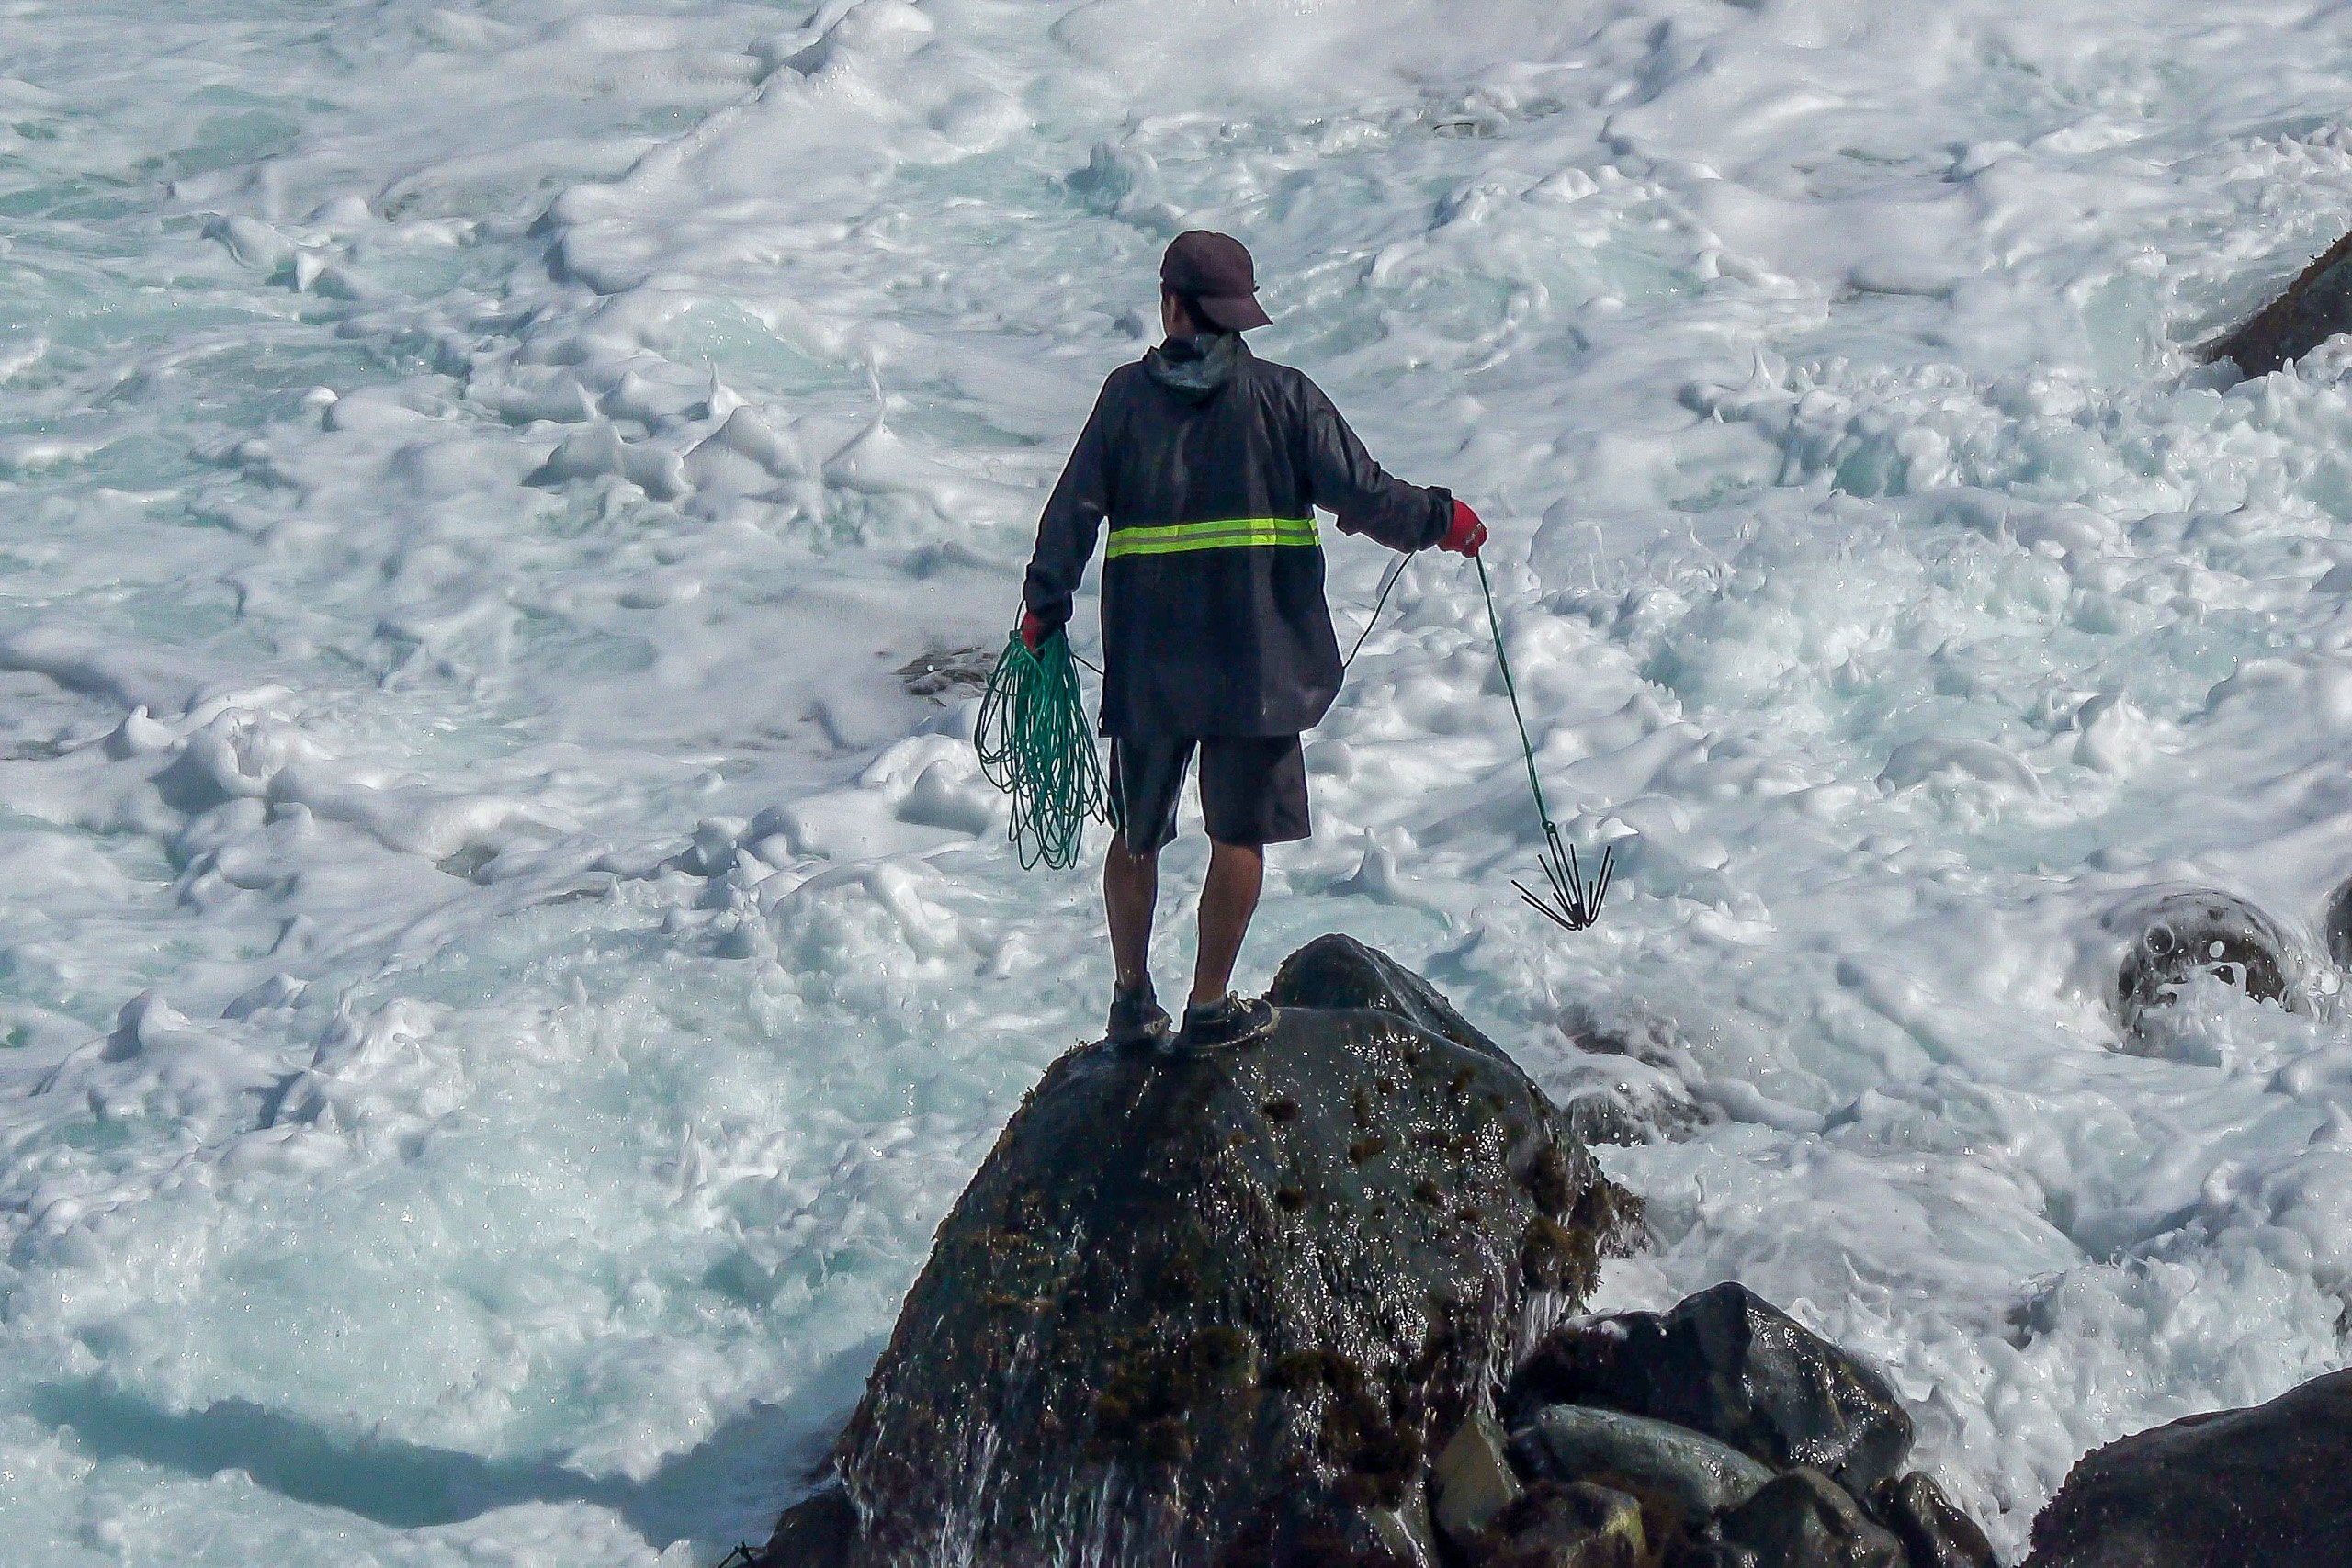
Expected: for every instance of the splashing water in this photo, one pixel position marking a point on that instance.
(501, 978)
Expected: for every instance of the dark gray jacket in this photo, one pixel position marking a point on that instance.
(1208, 464)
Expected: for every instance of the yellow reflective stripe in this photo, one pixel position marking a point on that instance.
(1225, 533)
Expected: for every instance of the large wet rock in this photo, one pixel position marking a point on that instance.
(2313, 309)
(2257, 1488)
(1729, 1364)
(1224, 1309)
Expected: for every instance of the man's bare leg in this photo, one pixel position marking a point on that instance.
(1130, 890)
(1229, 897)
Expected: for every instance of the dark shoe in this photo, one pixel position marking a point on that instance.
(1136, 1018)
(1236, 1021)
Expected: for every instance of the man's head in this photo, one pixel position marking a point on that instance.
(1207, 284)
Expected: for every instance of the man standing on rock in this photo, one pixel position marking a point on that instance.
(1208, 463)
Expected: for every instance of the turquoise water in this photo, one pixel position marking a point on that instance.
(452, 459)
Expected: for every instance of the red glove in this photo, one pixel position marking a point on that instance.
(1032, 630)
(1467, 532)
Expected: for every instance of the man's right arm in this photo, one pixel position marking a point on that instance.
(1072, 519)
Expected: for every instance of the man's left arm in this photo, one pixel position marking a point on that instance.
(1368, 499)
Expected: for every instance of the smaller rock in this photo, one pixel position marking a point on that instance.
(2179, 936)
(820, 1531)
(1472, 1480)
(1729, 1364)
(1688, 1474)
(1804, 1519)
(1574, 1526)
(1933, 1530)
(949, 674)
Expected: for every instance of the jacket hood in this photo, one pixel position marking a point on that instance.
(1196, 368)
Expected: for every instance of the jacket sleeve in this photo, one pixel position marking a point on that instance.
(1366, 497)
(1073, 517)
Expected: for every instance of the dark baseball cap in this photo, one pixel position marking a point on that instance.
(1215, 269)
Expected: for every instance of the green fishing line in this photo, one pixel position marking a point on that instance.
(1035, 746)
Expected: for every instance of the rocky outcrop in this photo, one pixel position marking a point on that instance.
(1731, 1365)
(2237, 1489)
(1302, 1305)
(1221, 1310)
(2314, 308)
(1744, 1439)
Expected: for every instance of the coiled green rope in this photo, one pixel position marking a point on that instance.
(1035, 745)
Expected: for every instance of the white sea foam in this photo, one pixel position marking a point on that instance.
(503, 980)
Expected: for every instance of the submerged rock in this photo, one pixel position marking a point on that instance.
(2315, 307)
(2176, 937)
(1624, 1088)
(2254, 1488)
(1223, 1308)
(1729, 1364)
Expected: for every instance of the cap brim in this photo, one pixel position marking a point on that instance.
(1236, 312)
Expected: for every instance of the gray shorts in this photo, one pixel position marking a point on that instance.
(1253, 789)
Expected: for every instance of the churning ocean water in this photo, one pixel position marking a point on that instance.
(499, 977)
